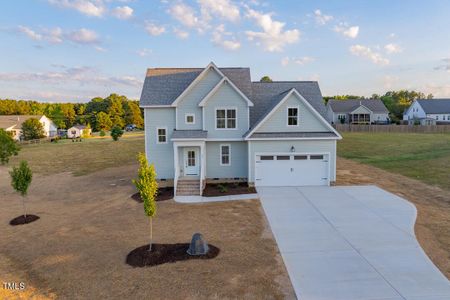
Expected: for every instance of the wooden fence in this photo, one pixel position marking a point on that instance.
(393, 128)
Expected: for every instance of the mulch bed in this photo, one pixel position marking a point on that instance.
(165, 253)
(20, 220)
(163, 195)
(225, 189)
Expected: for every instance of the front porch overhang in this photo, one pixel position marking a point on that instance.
(177, 144)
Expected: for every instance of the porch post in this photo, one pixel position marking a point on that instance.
(176, 167)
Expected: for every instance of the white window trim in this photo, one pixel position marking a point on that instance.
(229, 155)
(225, 108)
(298, 115)
(189, 115)
(157, 135)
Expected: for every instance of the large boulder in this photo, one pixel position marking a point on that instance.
(198, 245)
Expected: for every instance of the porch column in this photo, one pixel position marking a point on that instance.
(176, 166)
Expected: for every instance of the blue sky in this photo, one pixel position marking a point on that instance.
(74, 50)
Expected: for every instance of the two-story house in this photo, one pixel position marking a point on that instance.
(428, 112)
(214, 124)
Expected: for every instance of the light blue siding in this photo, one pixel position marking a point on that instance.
(313, 146)
(189, 103)
(226, 97)
(239, 162)
(160, 154)
(308, 122)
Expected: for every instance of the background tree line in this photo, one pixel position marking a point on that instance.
(395, 101)
(99, 113)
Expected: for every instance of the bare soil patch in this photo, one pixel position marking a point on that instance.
(433, 205)
(165, 253)
(227, 189)
(21, 220)
(163, 195)
(88, 226)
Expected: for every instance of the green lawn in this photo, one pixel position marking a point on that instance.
(425, 157)
(81, 158)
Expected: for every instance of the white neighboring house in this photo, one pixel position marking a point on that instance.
(357, 111)
(77, 131)
(13, 124)
(428, 112)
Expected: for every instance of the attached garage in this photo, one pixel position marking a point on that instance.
(289, 169)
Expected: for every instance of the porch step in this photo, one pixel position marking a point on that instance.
(188, 187)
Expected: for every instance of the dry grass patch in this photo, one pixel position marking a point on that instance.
(433, 205)
(88, 225)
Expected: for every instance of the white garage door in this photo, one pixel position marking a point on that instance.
(291, 169)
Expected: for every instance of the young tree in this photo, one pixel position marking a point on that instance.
(103, 121)
(116, 132)
(8, 147)
(148, 189)
(20, 180)
(32, 129)
(86, 131)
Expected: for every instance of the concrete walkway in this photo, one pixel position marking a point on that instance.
(351, 243)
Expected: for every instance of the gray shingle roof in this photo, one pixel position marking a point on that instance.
(266, 95)
(291, 134)
(189, 134)
(7, 121)
(163, 85)
(346, 106)
(435, 106)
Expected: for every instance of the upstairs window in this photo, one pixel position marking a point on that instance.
(190, 119)
(292, 116)
(161, 137)
(226, 118)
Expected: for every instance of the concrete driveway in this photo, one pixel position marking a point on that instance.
(351, 243)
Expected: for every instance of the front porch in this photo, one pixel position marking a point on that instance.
(189, 158)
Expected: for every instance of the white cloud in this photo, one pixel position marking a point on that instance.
(57, 35)
(29, 33)
(94, 8)
(122, 12)
(83, 36)
(144, 52)
(187, 16)
(299, 61)
(444, 66)
(346, 30)
(221, 8)
(392, 48)
(154, 29)
(218, 39)
(181, 34)
(272, 38)
(366, 52)
(321, 19)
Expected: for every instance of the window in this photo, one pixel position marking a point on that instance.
(266, 157)
(189, 119)
(283, 157)
(300, 157)
(225, 155)
(437, 117)
(316, 157)
(292, 118)
(226, 118)
(448, 117)
(161, 135)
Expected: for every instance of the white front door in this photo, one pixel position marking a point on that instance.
(191, 163)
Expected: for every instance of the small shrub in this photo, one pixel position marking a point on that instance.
(102, 133)
(116, 133)
(223, 188)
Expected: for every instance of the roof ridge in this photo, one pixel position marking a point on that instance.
(286, 81)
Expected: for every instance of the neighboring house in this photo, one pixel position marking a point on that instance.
(357, 111)
(428, 112)
(213, 124)
(13, 124)
(77, 131)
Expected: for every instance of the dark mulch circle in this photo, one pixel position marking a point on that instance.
(20, 220)
(163, 195)
(165, 253)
